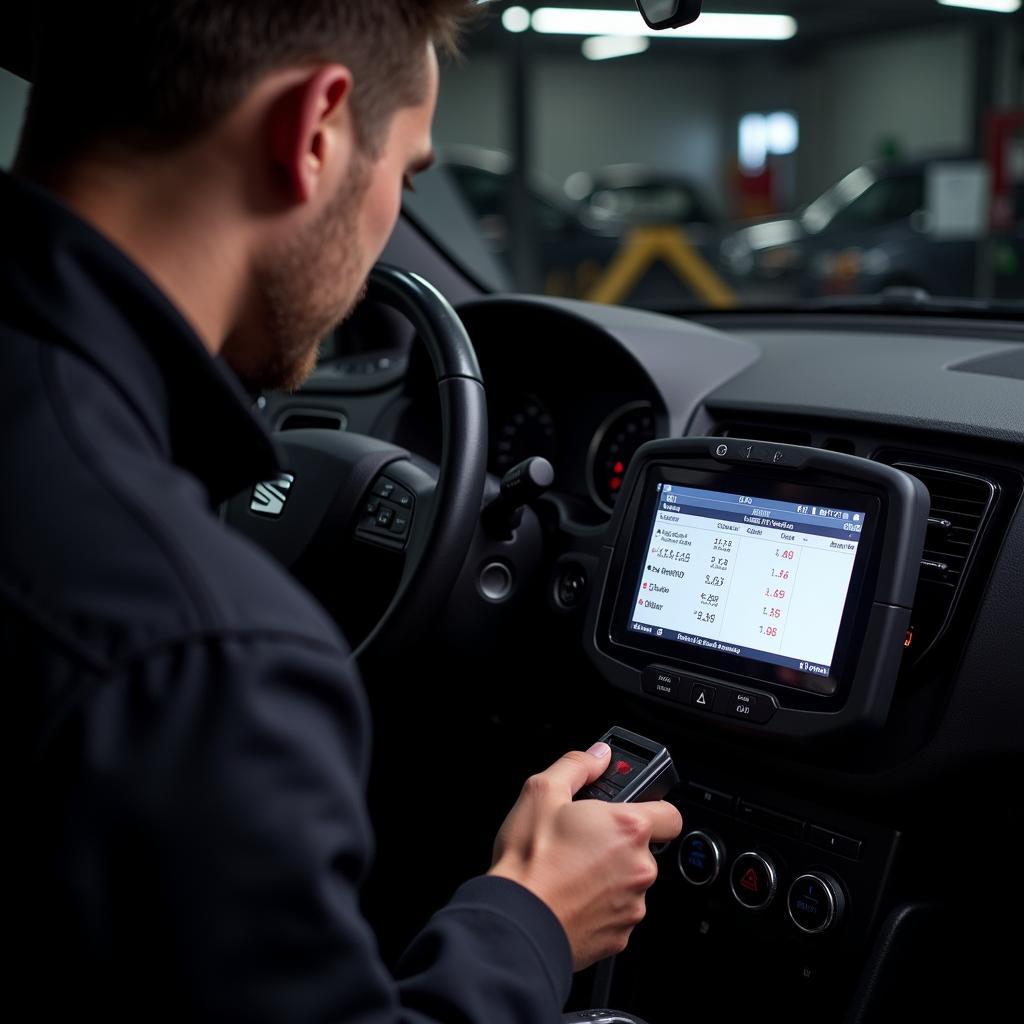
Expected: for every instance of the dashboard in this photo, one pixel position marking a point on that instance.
(860, 819)
(585, 386)
(563, 386)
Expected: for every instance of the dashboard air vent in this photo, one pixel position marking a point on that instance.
(763, 432)
(312, 419)
(961, 505)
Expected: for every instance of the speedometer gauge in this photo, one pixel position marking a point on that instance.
(524, 428)
(614, 444)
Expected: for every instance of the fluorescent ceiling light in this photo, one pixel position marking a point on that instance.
(606, 47)
(999, 6)
(571, 21)
(516, 19)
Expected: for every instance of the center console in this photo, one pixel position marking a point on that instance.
(766, 590)
(763, 587)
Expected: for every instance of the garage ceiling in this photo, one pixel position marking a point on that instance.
(820, 21)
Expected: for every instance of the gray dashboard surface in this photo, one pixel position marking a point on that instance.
(905, 380)
(683, 360)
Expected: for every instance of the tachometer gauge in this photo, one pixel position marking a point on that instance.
(614, 444)
(524, 429)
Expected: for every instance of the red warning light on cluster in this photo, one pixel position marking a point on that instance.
(623, 767)
(615, 483)
(619, 468)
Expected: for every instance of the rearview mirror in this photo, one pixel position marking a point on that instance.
(662, 14)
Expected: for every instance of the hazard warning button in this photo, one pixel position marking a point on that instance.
(753, 880)
(703, 697)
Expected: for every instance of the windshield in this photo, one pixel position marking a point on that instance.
(778, 153)
(812, 151)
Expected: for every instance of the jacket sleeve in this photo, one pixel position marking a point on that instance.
(218, 841)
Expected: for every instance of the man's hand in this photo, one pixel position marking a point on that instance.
(589, 861)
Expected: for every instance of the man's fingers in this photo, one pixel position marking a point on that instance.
(577, 768)
(665, 820)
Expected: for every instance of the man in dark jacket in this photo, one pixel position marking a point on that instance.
(201, 190)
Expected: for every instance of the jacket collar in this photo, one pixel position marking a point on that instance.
(64, 283)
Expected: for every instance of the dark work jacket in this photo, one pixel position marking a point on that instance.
(187, 740)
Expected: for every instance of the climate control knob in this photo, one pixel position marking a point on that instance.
(753, 880)
(816, 902)
(700, 858)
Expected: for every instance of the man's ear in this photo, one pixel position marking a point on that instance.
(310, 124)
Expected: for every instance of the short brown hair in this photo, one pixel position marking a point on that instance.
(154, 74)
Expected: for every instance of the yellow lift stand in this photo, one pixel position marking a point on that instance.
(646, 246)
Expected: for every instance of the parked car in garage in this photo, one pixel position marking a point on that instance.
(621, 196)
(872, 230)
(576, 244)
(571, 253)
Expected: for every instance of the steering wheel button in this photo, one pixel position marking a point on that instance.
(384, 517)
(384, 488)
(371, 508)
(402, 498)
(400, 525)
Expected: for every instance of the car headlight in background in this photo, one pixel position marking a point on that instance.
(743, 260)
(846, 266)
(737, 256)
(779, 260)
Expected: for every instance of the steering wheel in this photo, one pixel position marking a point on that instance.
(341, 484)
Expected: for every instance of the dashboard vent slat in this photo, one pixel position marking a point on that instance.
(966, 501)
(963, 500)
(312, 419)
(770, 434)
(964, 505)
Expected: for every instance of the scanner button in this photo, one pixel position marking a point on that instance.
(624, 767)
(662, 683)
(750, 707)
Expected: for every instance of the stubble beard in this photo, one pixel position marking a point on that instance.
(308, 288)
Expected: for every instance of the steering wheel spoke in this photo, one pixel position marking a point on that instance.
(349, 486)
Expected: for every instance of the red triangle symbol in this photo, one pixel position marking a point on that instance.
(749, 880)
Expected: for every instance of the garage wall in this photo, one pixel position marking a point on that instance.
(912, 88)
(665, 113)
(915, 89)
(13, 96)
(471, 104)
